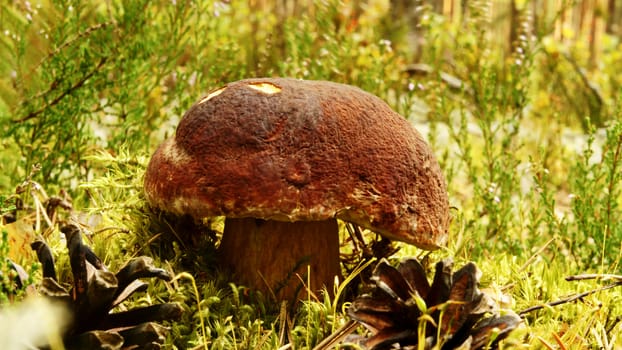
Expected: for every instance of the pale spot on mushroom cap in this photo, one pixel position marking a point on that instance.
(265, 88)
(175, 154)
(212, 94)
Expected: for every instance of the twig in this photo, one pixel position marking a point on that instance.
(545, 343)
(282, 322)
(536, 254)
(559, 341)
(109, 228)
(584, 79)
(333, 339)
(69, 42)
(453, 82)
(591, 276)
(569, 299)
(72, 88)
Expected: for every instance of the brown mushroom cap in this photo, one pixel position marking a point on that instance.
(294, 150)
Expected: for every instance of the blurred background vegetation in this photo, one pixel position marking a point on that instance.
(521, 100)
(83, 75)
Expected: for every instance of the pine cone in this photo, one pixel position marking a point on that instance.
(96, 291)
(404, 309)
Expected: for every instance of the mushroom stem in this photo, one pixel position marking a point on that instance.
(274, 257)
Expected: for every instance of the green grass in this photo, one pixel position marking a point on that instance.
(535, 182)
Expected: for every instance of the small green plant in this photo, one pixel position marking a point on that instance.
(7, 273)
(13, 278)
(596, 237)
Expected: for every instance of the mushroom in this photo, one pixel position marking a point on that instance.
(282, 159)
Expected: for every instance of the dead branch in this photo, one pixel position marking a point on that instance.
(569, 299)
